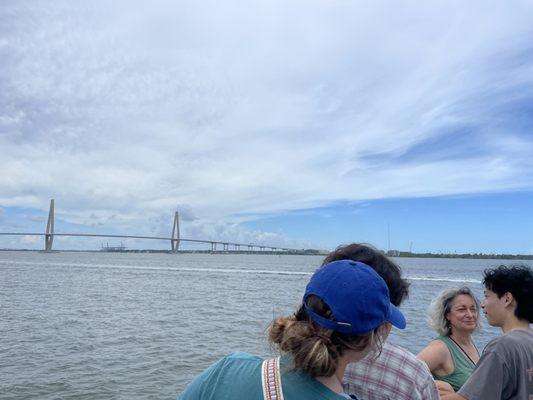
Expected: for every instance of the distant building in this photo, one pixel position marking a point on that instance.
(113, 249)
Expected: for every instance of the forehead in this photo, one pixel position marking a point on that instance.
(462, 300)
(488, 292)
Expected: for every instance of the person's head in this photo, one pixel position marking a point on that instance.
(384, 266)
(454, 308)
(345, 311)
(508, 291)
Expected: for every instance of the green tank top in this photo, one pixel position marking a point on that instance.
(463, 366)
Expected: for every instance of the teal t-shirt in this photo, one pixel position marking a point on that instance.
(238, 376)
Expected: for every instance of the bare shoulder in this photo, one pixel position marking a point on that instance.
(438, 345)
(434, 354)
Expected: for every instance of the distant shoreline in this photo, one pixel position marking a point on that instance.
(478, 256)
(309, 252)
(153, 251)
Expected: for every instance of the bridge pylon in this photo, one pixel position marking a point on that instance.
(49, 235)
(175, 239)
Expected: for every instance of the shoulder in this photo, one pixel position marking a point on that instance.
(233, 363)
(508, 338)
(436, 347)
(239, 355)
(404, 357)
(396, 373)
(436, 355)
(439, 344)
(518, 335)
(412, 367)
(239, 361)
(396, 357)
(512, 340)
(230, 377)
(236, 358)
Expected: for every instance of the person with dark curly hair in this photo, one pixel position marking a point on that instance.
(396, 373)
(505, 369)
(345, 314)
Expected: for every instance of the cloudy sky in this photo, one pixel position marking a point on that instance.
(295, 123)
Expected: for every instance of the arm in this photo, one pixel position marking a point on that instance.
(434, 355)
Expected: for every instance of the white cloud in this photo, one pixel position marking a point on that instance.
(225, 108)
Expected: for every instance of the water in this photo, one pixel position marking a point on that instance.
(121, 325)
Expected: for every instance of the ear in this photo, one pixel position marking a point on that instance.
(385, 329)
(507, 298)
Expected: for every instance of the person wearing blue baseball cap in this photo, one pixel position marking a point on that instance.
(345, 314)
(396, 373)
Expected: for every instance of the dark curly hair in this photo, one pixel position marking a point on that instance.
(389, 271)
(517, 280)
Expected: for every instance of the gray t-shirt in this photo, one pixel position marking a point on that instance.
(504, 371)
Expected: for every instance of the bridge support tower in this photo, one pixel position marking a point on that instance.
(175, 240)
(49, 235)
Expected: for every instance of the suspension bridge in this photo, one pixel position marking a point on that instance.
(174, 239)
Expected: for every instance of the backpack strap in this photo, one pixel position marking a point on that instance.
(271, 380)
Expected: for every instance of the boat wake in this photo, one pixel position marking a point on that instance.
(216, 270)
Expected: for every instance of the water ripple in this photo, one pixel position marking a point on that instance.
(113, 326)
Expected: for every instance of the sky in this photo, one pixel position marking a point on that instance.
(309, 124)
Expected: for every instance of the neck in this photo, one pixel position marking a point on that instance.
(514, 323)
(334, 382)
(461, 337)
(339, 373)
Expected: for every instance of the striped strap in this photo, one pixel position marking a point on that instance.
(271, 380)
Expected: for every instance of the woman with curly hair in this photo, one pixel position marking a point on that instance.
(345, 314)
(452, 356)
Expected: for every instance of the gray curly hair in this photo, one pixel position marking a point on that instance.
(442, 305)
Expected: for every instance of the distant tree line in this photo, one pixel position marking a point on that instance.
(397, 253)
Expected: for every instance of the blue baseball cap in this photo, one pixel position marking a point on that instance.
(357, 296)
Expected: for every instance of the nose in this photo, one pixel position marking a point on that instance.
(483, 304)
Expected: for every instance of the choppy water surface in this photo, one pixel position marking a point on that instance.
(120, 325)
